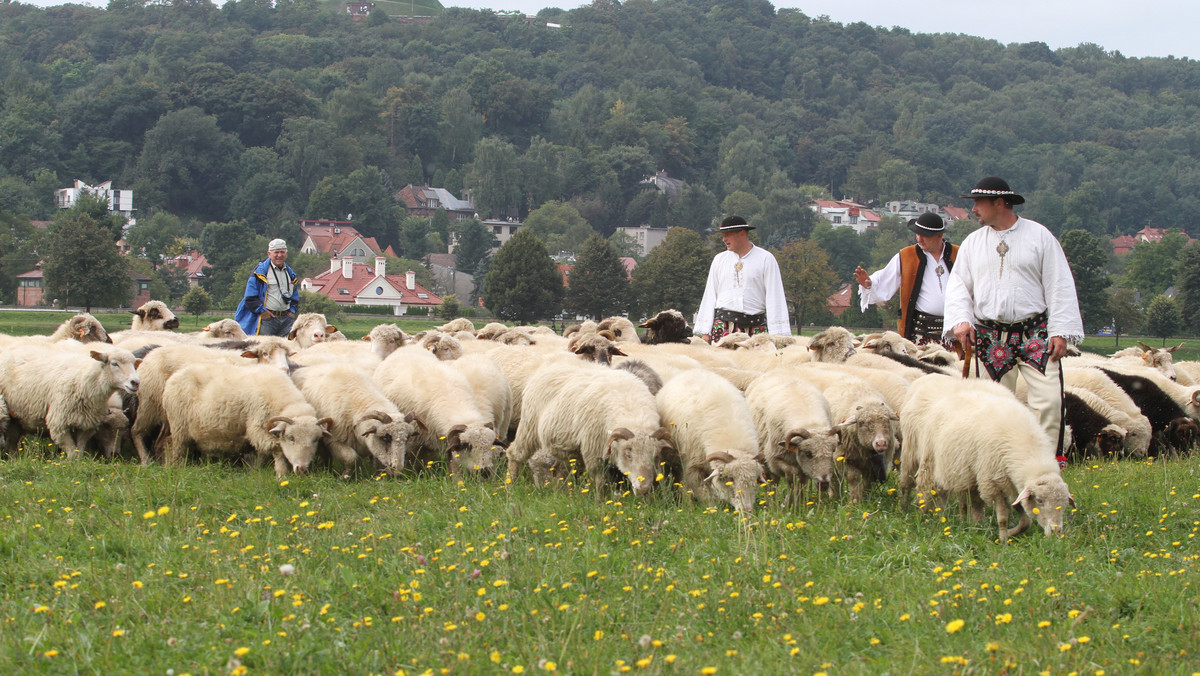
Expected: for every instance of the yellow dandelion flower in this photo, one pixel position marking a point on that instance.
(479, 617)
(117, 633)
(494, 657)
(1051, 590)
(598, 635)
(708, 670)
(51, 653)
(518, 669)
(905, 617)
(1064, 647)
(670, 659)
(820, 600)
(954, 625)
(1084, 639)
(137, 584)
(874, 641)
(550, 666)
(99, 605)
(163, 510)
(1043, 624)
(644, 662)
(992, 646)
(148, 515)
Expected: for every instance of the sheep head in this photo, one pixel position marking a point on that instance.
(122, 368)
(597, 348)
(734, 479)
(473, 448)
(297, 439)
(1047, 498)
(812, 453)
(834, 345)
(388, 440)
(635, 455)
(667, 326)
(154, 316)
(385, 339)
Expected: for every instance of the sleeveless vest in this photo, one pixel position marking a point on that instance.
(912, 272)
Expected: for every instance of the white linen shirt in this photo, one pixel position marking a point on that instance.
(757, 288)
(886, 282)
(1035, 278)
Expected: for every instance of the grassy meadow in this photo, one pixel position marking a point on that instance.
(116, 568)
(211, 569)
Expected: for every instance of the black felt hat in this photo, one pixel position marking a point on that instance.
(994, 186)
(734, 223)
(928, 224)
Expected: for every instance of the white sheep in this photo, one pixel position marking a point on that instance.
(715, 437)
(416, 382)
(457, 324)
(834, 344)
(310, 328)
(385, 339)
(65, 392)
(219, 409)
(443, 346)
(154, 316)
(972, 438)
(163, 362)
(366, 425)
(795, 429)
(492, 390)
(599, 416)
(223, 329)
(867, 427)
(622, 328)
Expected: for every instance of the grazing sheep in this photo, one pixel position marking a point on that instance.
(644, 373)
(457, 324)
(1136, 440)
(1182, 434)
(223, 329)
(65, 392)
(83, 327)
(668, 326)
(1092, 433)
(731, 341)
(622, 328)
(443, 346)
(154, 316)
(309, 329)
(596, 415)
(219, 409)
(442, 397)
(1161, 400)
(867, 428)
(366, 425)
(1159, 358)
(972, 438)
(162, 363)
(491, 388)
(795, 429)
(385, 339)
(715, 437)
(491, 331)
(887, 342)
(596, 347)
(834, 345)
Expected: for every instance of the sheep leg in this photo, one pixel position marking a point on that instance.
(599, 474)
(282, 467)
(1003, 514)
(176, 451)
(345, 455)
(139, 442)
(977, 506)
(856, 482)
(67, 443)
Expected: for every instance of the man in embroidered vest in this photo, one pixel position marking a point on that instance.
(920, 273)
(744, 290)
(268, 306)
(1012, 296)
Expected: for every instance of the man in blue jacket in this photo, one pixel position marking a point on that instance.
(268, 307)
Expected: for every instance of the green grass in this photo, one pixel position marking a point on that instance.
(116, 568)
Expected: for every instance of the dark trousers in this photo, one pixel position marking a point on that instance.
(279, 325)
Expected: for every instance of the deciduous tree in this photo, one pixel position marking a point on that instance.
(673, 274)
(1087, 257)
(597, 285)
(82, 265)
(808, 280)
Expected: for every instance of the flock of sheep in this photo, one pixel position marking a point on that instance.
(833, 410)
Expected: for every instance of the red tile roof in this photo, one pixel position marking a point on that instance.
(332, 237)
(957, 213)
(840, 301)
(193, 262)
(330, 283)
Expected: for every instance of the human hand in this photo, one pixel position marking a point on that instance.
(267, 314)
(964, 333)
(1058, 348)
(864, 280)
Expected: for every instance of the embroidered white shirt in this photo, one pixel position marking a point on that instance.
(755, 288)
(886, 282)
(1034, 278)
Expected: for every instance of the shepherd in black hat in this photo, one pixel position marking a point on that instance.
(744, 290)
(920, 272)
(1012, 298)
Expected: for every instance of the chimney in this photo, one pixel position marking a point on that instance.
(380, 266)
(348, 267)
(334, 264)
(410, 280)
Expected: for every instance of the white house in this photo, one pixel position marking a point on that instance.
(350, 283)
(119, 201)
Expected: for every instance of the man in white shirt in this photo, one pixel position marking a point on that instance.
(1012, 296)
(744, 291)
(920, 273)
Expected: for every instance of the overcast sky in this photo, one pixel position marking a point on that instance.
(1146, 28)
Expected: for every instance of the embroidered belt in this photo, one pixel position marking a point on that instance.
(1027, 340)
(728, 321)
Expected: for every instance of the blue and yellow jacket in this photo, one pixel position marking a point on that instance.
(249, 311)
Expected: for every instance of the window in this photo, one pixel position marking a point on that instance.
(837, 220)
(423, 295)
(379, 291)
(344, 292)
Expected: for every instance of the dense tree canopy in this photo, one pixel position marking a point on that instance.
(597, 285)
(82, 267)
(522, 283)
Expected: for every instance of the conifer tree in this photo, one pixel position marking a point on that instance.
(523, 283)
(597, 286)
(673, 275)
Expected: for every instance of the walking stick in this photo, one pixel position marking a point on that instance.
(968, 355)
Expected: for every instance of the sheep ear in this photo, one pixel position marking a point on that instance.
(713, 477)
(1070, 499)
(250, 354)
(330, 329)
(1022, 497)
(139, 312)
(292, 334)
(137, 363)
(366, 338)
(99, 356)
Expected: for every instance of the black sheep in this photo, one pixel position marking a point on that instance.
(1087, 426)
(1158, 406)
(667, 326)
(911, 362)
